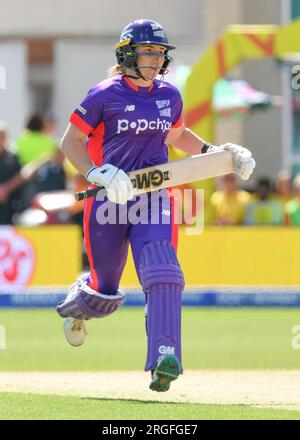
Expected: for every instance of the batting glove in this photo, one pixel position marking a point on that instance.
(115, 181)
(243, 162)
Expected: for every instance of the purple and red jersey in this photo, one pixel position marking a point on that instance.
(127, 125)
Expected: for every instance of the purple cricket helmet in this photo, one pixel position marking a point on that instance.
(137, 33)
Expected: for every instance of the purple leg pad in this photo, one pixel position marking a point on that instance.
(84, 303)
(163, 282)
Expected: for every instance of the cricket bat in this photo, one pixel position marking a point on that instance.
(187, 170)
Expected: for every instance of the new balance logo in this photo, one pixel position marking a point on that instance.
(129, 108)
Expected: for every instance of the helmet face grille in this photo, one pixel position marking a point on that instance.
(126, 56)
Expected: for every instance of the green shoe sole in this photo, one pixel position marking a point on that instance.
(165, 372)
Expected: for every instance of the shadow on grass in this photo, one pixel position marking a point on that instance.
(146, 402)
(158, 402)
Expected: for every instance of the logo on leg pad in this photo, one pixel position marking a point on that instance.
(164, 350)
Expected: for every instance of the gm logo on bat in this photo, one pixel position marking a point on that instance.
(150, 178)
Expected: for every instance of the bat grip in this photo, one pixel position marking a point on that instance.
(81, 195)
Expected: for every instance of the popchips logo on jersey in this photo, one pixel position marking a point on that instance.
(141, 125)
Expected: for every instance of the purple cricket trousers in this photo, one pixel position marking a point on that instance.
(142, 221)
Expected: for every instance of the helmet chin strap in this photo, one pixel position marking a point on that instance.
(139, 73)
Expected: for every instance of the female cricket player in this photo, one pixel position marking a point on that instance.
(125, 123)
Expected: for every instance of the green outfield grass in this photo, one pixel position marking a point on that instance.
(212, 338)
(33, 407)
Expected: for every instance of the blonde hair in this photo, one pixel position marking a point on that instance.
(115, 70)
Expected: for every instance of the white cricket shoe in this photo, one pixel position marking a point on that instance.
(75, 331)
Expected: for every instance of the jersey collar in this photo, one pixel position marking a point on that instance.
(135, 87)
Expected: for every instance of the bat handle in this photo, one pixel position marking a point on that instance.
(81, 195)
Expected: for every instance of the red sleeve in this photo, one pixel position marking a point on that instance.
(79, 123)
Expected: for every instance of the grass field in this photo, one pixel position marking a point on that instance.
(213, 339)
(58, 407)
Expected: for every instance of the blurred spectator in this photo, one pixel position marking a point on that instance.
(9, 173)
(50, 124)
(34, 142)
(36, 145)
(283, 187)
(229, 202)
(292, 208)
(264, 210)
(51, 176)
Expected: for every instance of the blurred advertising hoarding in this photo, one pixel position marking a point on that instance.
(39, 256)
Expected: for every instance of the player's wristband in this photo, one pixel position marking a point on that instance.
(209, 148)
(205, 147)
